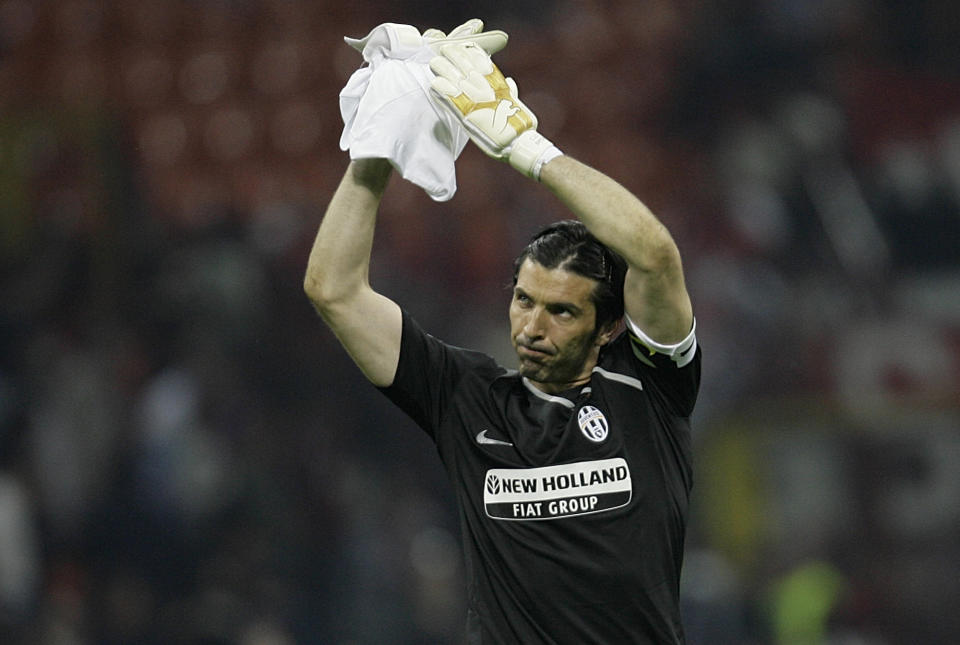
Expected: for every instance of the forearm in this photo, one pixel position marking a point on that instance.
(612, 213)
(340, 258)
(654, 294)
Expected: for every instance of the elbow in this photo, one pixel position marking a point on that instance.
(666, 256)
(318, 291)
(327, 294)
(657, 255)
(313, 292)
(310, 289)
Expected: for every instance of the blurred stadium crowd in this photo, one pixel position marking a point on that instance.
(186, 454)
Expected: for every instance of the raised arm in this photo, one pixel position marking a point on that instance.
(367, 323)
(655, 296)
(474, 90)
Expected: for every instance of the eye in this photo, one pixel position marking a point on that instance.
(562, 312)
(521, 298)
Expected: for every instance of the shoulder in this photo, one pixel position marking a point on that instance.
(422, 355)
(670, 373)
(433, 375)
(655, 354)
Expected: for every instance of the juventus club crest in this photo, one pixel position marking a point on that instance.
(593, 424)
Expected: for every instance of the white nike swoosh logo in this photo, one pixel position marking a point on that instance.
(490, 441)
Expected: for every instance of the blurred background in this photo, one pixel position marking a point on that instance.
(187, 455)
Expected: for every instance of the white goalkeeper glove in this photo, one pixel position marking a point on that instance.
(473, 89)
(471, 31)
(401, 40)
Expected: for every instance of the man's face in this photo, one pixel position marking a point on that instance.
(553, 326)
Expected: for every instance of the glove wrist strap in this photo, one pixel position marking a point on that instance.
(530, 151)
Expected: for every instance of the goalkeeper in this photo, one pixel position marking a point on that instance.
(572, 468)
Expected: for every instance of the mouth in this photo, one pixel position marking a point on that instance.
(531, 353)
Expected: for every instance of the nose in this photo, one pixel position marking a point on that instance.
(533, 323)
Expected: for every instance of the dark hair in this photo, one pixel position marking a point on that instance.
(568, 245)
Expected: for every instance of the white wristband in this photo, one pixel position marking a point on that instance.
(549, 154)
(529, 151)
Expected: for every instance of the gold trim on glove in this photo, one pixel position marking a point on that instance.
(519, 119)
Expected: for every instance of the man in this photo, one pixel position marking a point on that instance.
(571, 473)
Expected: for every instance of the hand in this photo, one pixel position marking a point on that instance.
(388, 108)
(404, 40)
(470, 31)
(469, 85)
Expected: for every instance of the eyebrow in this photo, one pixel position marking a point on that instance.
(552, 306)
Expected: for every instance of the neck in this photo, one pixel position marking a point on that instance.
(557, 388)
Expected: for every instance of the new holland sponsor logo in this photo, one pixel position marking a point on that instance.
(557, 491)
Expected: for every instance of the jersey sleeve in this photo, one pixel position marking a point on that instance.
(674, 370)
(428, 373)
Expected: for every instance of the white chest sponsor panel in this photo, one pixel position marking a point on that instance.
(552, 492)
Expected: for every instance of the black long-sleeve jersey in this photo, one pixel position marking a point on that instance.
(572, 506)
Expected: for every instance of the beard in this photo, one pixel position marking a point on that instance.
(564, 366)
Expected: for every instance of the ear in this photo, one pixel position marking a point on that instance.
(608, 333)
